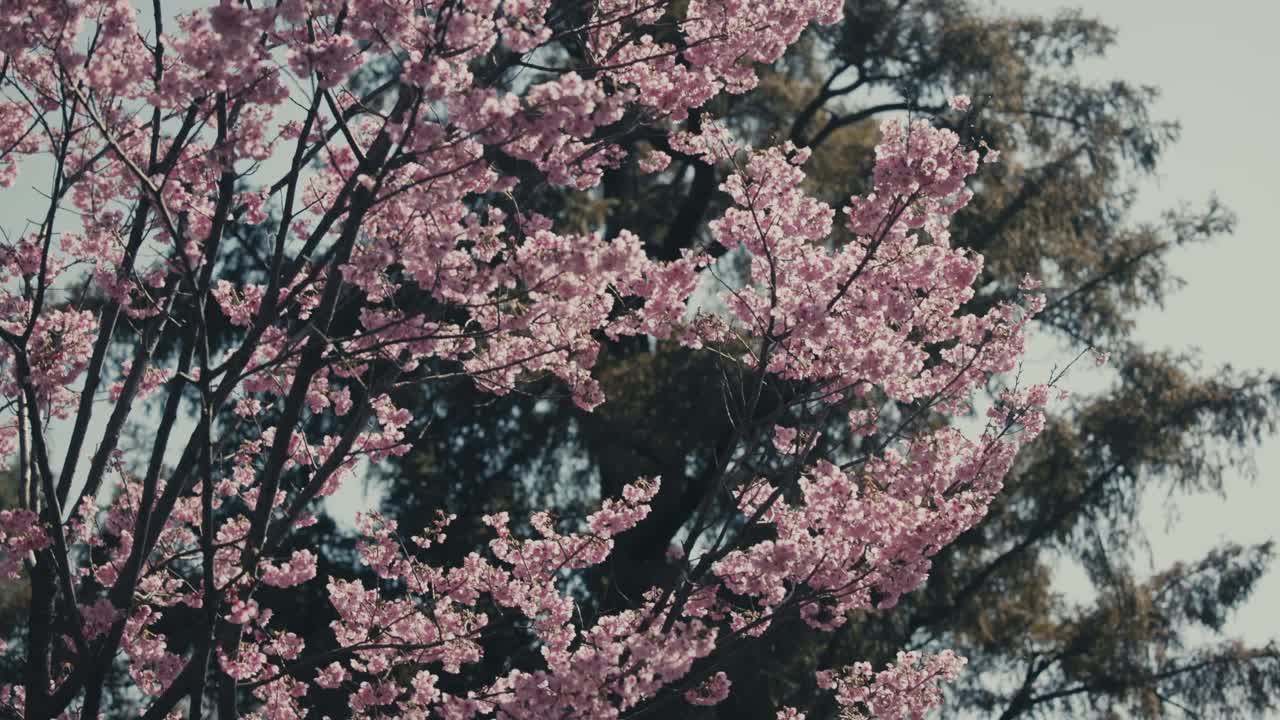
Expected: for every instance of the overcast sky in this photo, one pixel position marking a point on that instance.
(1216, 66)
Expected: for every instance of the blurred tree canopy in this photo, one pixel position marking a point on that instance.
(1056, 207)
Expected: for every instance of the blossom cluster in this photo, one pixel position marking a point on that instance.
(389, 249)
(906, 688)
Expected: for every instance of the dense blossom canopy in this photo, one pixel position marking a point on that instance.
(395, 254)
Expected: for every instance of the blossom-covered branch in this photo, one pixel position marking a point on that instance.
(241, 225)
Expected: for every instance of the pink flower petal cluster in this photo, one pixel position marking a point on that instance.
(20, 535)
(907, 688)
(385, 249)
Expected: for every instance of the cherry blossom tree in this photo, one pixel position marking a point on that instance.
(389, 250)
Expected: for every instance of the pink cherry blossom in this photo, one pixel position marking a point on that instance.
(387, 251)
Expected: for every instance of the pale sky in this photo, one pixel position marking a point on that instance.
(1216, 66)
